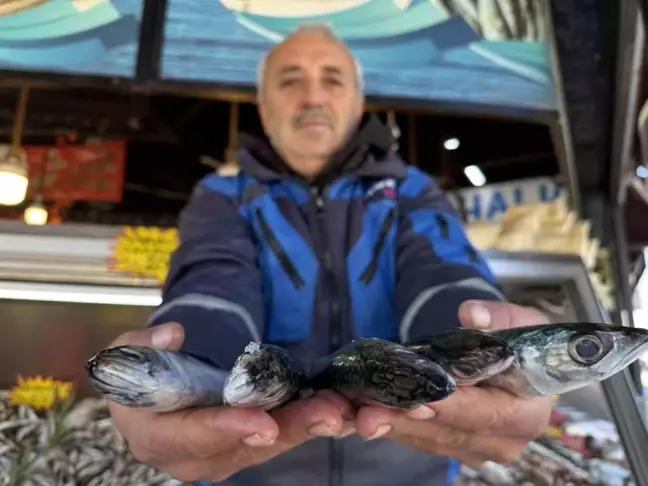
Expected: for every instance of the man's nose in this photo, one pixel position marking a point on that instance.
(314, 95)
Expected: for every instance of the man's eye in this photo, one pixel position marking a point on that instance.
(333, 82)
(288, 82)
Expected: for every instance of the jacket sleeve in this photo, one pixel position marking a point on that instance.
(213, 287)
(437, 266)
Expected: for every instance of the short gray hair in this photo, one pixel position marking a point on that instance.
(311, 28)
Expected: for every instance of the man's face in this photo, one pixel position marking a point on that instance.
(310, 101)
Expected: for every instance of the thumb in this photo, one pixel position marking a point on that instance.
(494, 315)
(169, 336)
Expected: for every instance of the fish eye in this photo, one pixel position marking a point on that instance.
(586, 350)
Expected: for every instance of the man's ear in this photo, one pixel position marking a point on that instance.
(263, 115)
(361, 106)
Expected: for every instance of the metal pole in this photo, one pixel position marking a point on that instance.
(150, 40)
(619, 255)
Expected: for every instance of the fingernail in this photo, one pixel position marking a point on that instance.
(481, 317)
(421, 413)
(161, 337)
(382, 430)
(258, 440)
(347, 430)
(323, 429)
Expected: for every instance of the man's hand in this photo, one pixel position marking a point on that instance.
(212, 444)
(475, 424)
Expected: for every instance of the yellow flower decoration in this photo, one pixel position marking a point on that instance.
(39, 393)
(553, 431)
(144, 251)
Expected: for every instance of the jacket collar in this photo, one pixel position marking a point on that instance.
(367, 154)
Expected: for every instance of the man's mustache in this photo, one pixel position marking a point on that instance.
(311, 115)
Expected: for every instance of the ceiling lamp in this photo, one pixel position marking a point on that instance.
(13, 180)
(13, 163)
(451, 144)
(475, 175)
(36, 214)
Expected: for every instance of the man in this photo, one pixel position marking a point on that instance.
(324, 236)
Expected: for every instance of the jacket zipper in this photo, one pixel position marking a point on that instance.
(278, 250)
(335, 331)
(335, 325)
(371, 268)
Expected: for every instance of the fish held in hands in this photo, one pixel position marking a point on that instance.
(265, 376)
(158, 380)
(468, 355)
(378, 372)
(164, 381)
(558, 358)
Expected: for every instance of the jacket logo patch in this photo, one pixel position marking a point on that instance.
(385, 188)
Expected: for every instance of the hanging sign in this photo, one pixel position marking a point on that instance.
(90, 172)
(490, 202)
(144, 251)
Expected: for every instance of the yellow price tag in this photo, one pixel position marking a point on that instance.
(144, 251)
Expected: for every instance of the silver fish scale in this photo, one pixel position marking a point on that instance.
(93, 453)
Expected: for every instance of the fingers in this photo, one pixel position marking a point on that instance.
(161, 439)
(169, 336)
(320, 415)
(498, 412)
(431, 437)
(471, 449)
(323, 415)
(490, 315)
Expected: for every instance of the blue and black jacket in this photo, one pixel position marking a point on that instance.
(372, 248)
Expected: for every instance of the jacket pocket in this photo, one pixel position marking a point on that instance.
(370, 270)
(279, 251)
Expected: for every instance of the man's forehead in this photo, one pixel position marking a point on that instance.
(309, 51)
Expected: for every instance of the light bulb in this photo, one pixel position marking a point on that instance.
(13, 188)
(451, 144)
(36, 215)
(13, 178)
(475, 175)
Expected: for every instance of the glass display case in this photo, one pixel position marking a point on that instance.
(597, 434)
(61, 301)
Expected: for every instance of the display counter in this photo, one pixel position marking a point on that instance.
(61, 301)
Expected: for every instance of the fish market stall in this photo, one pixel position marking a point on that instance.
(68, 290)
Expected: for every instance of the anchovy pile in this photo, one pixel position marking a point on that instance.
(530, 361)
(537, 465)
(92, 453)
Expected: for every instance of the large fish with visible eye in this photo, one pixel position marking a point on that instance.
(529, 361)
(558, 358)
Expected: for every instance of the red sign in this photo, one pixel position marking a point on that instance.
(92, 172)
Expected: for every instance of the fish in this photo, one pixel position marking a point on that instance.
(264, 375)
(367, 371)
(372, 371)
(159, 380)
(469, 356)
(553, 359)
(165, 381)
